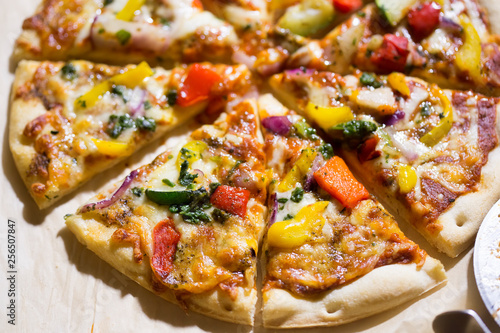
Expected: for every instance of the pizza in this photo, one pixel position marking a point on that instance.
(429, 154)
(70, 121)
(123, 32)
(283, 214)
(187, 226)
(444, 42)
(331, 250)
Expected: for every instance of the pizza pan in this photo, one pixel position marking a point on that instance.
(487, 261)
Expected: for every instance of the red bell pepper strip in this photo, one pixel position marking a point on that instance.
(197, 86)
(197, 4)
(335, 178)
(231, 199)
(424, 19)
(392, 55)
(346, 6)
(367, 151)
(165, 239)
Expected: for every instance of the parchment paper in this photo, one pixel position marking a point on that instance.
(60, 286)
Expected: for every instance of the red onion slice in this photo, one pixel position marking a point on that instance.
(136, 103)
(394, 118)
(300, 72)
(108, 202)
(274, 209)
(450, 25)
(404, 149)
(241, 57)
(280, 125)
(310, 181)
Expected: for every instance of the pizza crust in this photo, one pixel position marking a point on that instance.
(216, 304)
(383, 288)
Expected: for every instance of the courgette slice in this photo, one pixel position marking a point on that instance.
(307, 17)
(394, 10)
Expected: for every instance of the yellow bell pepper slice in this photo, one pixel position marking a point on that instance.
(407, 178)
(327, 116)
(128, 11)
(302, 165)
(435, 135)
(130, 79)
(90, 98)
(299, 230)
(111, 148)
(468, 57)
(397, 81)
(134, 76)
(191, 152)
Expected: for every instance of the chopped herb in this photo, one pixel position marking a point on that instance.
(137, 191)
(145, 123)
(123, 36)
(101, 31)
(120, 91)
(247, 27)
(213, 187)
(165, 21)
(369, 80)
(147, 105)
(54, 132)
(356, 129)
(68, 72)
(82, 103)
(361, 14)
(117, 124)
(326, 150)
(186, 178)
(288, 217)
(194, 212)
(282, 200)
(234, 168)
(168, 182)
(108, 2)
(297, 195)
(441, 115)
(170, 157)
(219, 215)
(67, 215)
(305, 131)
(425, 109)
(172, 97)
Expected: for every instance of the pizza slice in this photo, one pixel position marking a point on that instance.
(430, 155)
(270, 33)
(332, 253)
(125, 31)
(70, 121)
(445, 42)
(188, 225)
